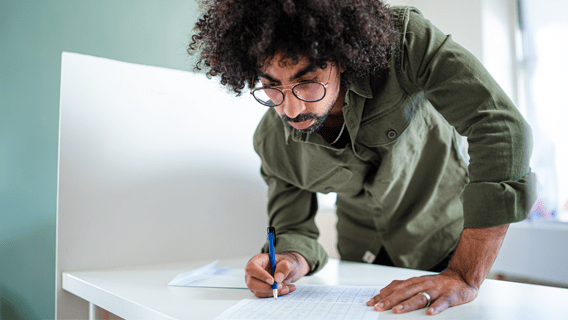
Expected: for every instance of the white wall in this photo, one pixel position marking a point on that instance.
(484, 27)
(460, 18)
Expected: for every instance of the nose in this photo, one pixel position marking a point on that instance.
(292, 106)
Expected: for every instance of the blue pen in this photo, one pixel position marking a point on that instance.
(271, 233)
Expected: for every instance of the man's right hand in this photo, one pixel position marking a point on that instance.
(290, 266)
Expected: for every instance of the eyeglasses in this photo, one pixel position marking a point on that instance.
(311, 91)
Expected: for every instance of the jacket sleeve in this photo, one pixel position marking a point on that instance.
(291, 211)
(501, 186)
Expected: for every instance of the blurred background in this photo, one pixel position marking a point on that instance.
(523, 43)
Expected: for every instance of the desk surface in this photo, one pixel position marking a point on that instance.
(141, 292)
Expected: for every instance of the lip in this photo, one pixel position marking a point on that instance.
(302, 125)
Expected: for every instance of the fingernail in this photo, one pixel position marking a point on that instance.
(431, 310)
(370, 302)
(270, 281)
(399, 308)
(380, 305)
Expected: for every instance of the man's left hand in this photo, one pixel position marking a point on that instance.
(445, 289)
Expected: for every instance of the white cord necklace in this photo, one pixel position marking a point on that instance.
(340, 132)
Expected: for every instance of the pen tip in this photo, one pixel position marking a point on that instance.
(275, 293)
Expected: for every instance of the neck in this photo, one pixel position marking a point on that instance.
(337, 110)
(332, 128)
(333, 124)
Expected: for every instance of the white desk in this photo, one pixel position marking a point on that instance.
(142, 293)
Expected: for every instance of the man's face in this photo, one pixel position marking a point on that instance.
(301, 115)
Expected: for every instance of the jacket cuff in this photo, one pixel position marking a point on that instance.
(309, 248)
(491, 204)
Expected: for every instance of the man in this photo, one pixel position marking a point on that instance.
(365, 101)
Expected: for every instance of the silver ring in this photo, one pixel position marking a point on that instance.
(427, 297)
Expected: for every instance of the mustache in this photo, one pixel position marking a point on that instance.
(300, 117)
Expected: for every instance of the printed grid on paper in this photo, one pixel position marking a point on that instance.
(309, 302)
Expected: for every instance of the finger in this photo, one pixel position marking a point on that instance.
(398, 284)
(415, 302)
(390, 285)
(376, 299)
(256, 268)
(259, 288)
(286, 289)
(394, 286)
(383, 293)
(402, 293)
(284, 268)
(291, 288)
(441, 304)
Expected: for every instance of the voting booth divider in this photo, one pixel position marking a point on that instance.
(156, 166)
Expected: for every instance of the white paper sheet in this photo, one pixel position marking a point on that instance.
(309, 302)
(212, 277)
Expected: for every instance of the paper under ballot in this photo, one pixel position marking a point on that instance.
(212, 277)
(309, 302)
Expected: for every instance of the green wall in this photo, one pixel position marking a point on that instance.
(32, 36)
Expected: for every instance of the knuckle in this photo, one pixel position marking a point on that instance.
(440, 287)
(285, 263)
(430, 283)
(286, 266)
(448, 299)
(410, 305)
(378, 298)
(387, 302)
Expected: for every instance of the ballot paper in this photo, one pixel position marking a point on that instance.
(212, 277)
(309, 302)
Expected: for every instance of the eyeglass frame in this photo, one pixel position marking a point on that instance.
(291, 89)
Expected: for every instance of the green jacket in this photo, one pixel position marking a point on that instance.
(402, 182)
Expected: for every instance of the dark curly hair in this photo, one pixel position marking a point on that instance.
(235, 38)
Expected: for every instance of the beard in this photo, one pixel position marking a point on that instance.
(309, 116)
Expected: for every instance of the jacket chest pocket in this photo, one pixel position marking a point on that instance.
(388, 126)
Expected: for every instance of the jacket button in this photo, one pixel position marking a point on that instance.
(328, 190)
(391, 134)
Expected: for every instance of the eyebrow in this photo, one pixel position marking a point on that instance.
(299, 74)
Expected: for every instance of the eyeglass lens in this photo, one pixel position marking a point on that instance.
(309, 92)
(269, 97)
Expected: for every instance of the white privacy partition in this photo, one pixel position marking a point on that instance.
(155, 166)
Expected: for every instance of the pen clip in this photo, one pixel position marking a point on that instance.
(273, 231)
